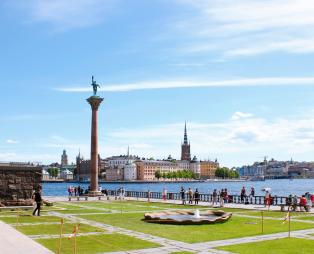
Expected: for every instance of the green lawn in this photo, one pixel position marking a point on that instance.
(182, 252)
(30, 219)
(54, 229)
(280, 246)
(235, 227)
(308, 217)
(97, 244)
(275, 214)
(126, 206)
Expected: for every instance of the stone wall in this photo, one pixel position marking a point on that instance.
(18, 181)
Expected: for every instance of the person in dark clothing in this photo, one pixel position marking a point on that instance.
(182, 193)
(38, 199)
(196, 196)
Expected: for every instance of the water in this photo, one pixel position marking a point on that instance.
(282, 187)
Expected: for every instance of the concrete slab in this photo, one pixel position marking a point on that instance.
(14, 242)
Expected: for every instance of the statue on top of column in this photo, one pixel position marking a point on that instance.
(95, 86)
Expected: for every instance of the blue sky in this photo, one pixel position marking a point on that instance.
(239, 72)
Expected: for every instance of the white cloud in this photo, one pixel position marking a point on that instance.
(66, 14)
(238, 115)
(146, 85)
(249, 27)
(11, 141)
(232, 142)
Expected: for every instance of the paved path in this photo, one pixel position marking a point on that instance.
(14, 242)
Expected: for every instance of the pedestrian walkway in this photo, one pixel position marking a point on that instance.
(14, 242)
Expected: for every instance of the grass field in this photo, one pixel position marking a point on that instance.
(97, 244)
(129, 215)
(187, 233)
(279, 246)
(54, 229)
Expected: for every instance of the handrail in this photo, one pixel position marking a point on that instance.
(236, 199)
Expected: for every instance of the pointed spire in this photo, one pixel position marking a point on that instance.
(185, 134)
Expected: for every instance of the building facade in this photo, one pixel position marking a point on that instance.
(208, 169)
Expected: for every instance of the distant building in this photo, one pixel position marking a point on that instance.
(45, 175)
(64, 159)
(185, 147)
(208, 169)
(67, 175)
(130, 171)
(146, 169)
(121, 167)
(195, 167)
(255, 170)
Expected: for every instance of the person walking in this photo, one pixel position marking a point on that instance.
(226, 197)
(196, 196)
(222, 198)
(182, 194)
(164, 194)
(190, 194)
(214, 197)
(38, 199)
(252, 194)
(243, 194)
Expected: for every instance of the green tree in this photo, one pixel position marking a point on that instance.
(226, 173)
(53, 172)
(158, 174)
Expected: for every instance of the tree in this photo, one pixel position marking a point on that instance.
(226, 173)
(53, 172)
(158, 174)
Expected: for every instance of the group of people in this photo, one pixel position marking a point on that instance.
(120, 193)
(76, 191)
(306, 201)
(221, 195)
(190, 195)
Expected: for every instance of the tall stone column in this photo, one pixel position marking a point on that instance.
(94, 102)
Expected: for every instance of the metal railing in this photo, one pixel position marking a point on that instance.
(236, 199)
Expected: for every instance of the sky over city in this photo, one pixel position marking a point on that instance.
(240, 73)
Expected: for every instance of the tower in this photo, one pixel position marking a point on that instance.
(94, 101)
(185, 147)
(64, 159)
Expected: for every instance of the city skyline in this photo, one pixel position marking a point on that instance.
(243, 81)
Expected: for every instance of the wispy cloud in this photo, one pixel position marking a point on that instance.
(67, 14)
(238, 115)
(249, 27)
(267, 81)
(12, 141)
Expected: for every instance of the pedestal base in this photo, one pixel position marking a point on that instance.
(94, 194)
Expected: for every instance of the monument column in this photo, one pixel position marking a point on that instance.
(94, 102)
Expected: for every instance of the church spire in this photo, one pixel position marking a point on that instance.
(185, 147)
(185, 134)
